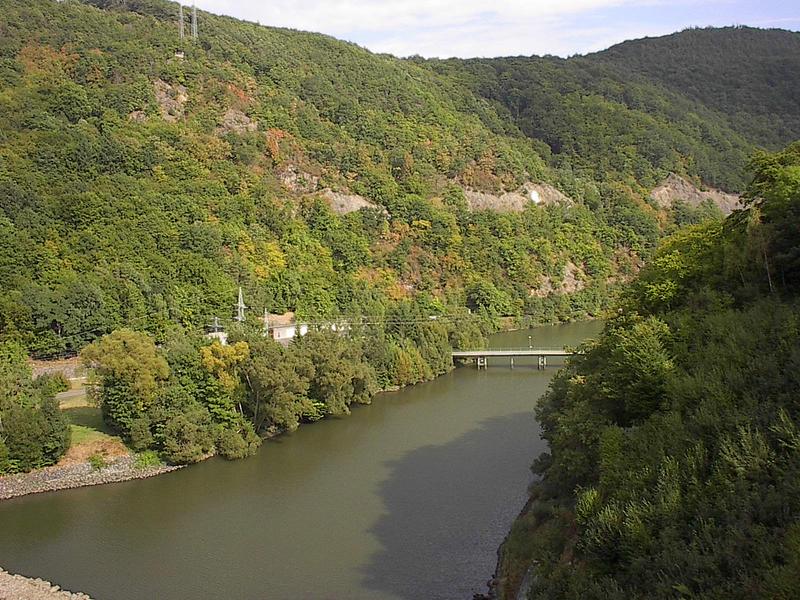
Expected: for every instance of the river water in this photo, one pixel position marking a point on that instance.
(408, 498)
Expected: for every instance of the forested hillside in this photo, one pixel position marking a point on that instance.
(693, 103)
(144, 179)
(747, 74)
(141, 189)
(673, 470)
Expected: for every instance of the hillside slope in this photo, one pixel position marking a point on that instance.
(144, 179)
(748, 74)
(694, 103)
(140, 188)
(672, 469)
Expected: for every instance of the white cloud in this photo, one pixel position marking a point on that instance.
(444, 28)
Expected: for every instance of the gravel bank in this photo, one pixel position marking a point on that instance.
(17, 587)
(72, 476)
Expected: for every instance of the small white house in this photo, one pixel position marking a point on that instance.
(284, 328)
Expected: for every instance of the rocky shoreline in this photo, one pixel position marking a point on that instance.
(67, 477)
(17, 587)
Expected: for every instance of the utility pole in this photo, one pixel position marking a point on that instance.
(240, 308)
(181, 20)
(194, 21)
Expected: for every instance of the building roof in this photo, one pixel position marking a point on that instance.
(284, 320)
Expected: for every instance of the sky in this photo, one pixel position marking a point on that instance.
(483, 28)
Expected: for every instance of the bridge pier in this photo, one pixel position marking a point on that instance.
(542, 363)
(512, 362)
(483, 362)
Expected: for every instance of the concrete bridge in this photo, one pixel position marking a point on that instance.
(482, 356)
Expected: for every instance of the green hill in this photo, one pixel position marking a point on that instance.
(144, 179)
(672, 469)
(747, 74)
(695, 102)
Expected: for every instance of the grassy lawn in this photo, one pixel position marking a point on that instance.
(75, 396)
(87, 425)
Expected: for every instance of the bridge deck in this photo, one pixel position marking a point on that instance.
(512, 352)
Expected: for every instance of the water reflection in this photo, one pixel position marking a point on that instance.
(436, 541)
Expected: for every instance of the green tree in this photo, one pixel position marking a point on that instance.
(129, 373)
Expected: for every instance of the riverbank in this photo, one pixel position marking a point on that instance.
(17, 587)
(64, 477)
(513, 572)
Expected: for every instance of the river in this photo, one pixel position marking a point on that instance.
(405, 499)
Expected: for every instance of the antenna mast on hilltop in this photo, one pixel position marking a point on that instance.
(180, 19)
(194, 21)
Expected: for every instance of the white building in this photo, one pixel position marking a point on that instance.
(284, 328)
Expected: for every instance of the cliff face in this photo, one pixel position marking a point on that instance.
(531, 193)
(677, 189)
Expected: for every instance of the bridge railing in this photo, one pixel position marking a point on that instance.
(516, 349)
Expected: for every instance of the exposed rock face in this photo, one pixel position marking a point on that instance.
(296, 180)
(530, 193)
(342, 203)
(71, 368)
(572, 282)
(235, 121)
(16, 587)
(171, 100)
(676, 188)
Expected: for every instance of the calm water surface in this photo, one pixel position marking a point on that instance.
(406, 499)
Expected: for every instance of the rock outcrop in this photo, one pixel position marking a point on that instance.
(573, 280)
(530, 193)
(171, 100)
(235, 121)
(677, 189)
(295, 179)
(342, 203)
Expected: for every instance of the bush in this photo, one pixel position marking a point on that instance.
(148, 459)
(188, 438)
(36, 436)
(233, 445)
(98, 462)
(140, 437)
(5, 459)
(51, 384)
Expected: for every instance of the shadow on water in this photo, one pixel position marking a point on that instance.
(466, 509)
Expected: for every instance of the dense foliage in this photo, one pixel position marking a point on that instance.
(193, 397)
(33, 431)
(673, 470)
(139, 189)
(143, 180)
(747, 75)
(693, 102)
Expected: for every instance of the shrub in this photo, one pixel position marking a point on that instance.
(232, 444)
(188, 438)
(5, 459)
(51, 384)
(140, 437)
(97, 461)
(147, 460)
